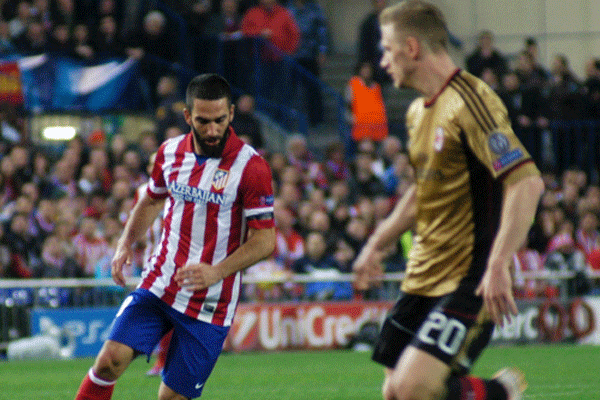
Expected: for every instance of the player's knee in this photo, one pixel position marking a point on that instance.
(407, 390)
(112, 361)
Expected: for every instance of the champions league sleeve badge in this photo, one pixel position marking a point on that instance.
(500, 145)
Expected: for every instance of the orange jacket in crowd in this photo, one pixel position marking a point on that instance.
(368, 110)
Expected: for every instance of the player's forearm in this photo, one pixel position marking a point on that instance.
(518, 211)
(260, 244)
(401, 219)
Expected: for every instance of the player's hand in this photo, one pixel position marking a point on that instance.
(367, 267)
(123, 256)
(496, 289)
(197, 276)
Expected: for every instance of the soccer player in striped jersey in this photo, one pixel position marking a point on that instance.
(216, 196)
(471, 207)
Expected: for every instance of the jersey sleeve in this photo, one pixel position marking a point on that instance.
(491, 138)
(256, 189)
(157, 187)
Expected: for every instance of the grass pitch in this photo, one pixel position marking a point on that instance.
(555, 372)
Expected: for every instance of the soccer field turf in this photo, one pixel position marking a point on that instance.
(554, 372)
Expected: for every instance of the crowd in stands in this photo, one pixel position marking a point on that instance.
(61, 212)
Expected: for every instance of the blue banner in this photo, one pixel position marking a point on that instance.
(61, 84)
(89, 326)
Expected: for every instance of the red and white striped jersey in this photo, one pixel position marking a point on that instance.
(207, 211)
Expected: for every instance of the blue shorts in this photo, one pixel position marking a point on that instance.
(144, 319)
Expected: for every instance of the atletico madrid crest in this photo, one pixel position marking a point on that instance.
(220, 179)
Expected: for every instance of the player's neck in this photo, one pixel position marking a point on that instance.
(436, 71)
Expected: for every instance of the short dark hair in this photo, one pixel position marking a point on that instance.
(208, 87)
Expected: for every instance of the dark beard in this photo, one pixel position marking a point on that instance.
(209, 150)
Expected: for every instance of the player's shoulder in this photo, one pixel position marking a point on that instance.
(471, 89)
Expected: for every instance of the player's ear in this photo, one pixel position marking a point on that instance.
(413, 46)
(188, 116)
(231, 112)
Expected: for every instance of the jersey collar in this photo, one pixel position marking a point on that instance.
(431, 101)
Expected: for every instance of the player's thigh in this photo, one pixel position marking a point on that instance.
(193, 352)
(141, 322)
(166, 393)
(456, 330)
(400, 327)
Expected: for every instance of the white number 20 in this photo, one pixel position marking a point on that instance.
(451, 332)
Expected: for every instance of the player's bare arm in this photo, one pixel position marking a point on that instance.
(260, 244)
(142, 215)
(367, 265)
(518, 211)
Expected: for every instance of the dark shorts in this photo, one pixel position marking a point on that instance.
(143, 320)
(452, 328)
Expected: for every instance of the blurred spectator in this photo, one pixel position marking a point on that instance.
(366, 106)
(104, 9)
(319, 265)
(369, 38)
(106, 40)
(245, 124)
(587, 236)
(24, 249)
(564, 92)
(529, 260)
(83, 47)
(530, 74)
(365, 182)
(311, 54)
(132, 16)
(17, 25)
(335, 165)
(398, 175)
(133, 163)
(60, 41)
(155, 40)
(591, 88)
(89, 246)
(170, 105)
(116, 149)
(273, 23)
(34, 40)
(525, 104)
(63, 179)
(290, 244)
(221, 43)
(67, 12)
(174, 131)
(45, 218)
(6, 43)
(40, 9)
(563, 255)
(565, 102)
(225, 24)
(55, 261)
(486, 56)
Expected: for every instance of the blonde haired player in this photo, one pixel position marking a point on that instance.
(471, 207)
